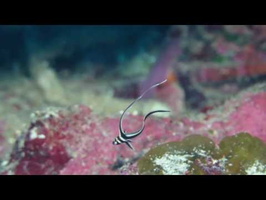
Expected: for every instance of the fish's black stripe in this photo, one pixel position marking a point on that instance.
(122, 139)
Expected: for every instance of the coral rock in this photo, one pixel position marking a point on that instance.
(239, 154)
(76, 141)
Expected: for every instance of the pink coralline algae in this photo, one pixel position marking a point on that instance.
(249, 116)
(248, 62)
(234, 54)
(244, 115)
(76, 141)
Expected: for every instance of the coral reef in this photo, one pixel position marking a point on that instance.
(77, 141)
(208, 61)
(249, 62)
(73, 141)
(60, 120)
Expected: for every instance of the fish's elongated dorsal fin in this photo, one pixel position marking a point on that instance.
(156, 111)
(122, 132)
(138, 132)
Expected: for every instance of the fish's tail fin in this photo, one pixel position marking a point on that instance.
(130, 146)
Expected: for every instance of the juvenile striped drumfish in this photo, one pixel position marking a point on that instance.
(124, 137)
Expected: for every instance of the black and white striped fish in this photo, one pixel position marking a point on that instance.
(124, 137)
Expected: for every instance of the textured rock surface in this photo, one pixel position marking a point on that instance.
(76, 141)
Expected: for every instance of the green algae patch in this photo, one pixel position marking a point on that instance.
(175, 157)
(198, 155)
(243, 152)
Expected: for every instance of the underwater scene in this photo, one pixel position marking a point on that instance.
(133, 100)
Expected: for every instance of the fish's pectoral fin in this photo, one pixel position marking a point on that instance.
(130, 145)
